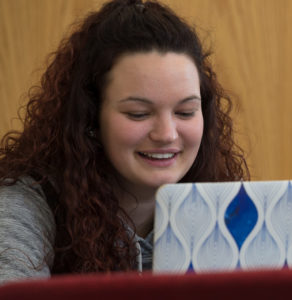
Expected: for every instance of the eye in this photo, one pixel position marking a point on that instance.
(137, 116)
(185, 114)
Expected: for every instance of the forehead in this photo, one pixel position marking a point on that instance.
(152, 74)
(152, 61)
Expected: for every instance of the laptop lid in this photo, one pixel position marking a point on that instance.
(223, 226)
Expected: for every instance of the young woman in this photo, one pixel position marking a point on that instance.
(128, 103)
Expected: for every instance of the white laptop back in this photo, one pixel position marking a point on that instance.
(223, 226)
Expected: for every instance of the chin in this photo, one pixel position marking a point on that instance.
(159, 182)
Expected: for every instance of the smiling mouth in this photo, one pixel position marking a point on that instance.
(157, 156)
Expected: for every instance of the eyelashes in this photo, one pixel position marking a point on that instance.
(139, 116)
(186, 114)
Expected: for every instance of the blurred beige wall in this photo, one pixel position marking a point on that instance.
(252, 43)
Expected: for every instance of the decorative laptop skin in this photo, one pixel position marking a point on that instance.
(223, 226)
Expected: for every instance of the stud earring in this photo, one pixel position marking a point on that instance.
(91, 133)
(140, 7)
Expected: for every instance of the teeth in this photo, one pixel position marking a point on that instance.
(159, 155)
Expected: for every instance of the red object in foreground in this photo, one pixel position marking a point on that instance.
(233, 285)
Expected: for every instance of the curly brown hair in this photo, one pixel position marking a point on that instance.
(57, 141)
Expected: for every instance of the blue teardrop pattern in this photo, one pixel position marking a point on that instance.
(241, 216)
(191, 268)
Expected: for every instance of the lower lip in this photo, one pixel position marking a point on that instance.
(159, 162)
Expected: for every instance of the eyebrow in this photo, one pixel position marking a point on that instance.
(148, 101)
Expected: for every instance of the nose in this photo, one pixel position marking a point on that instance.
(164, 130)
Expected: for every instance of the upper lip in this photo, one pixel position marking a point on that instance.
(162, 151)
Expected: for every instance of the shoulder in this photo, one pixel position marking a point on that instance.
(25, 197)
(27, 230)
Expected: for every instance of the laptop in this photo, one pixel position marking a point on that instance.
(205, 227)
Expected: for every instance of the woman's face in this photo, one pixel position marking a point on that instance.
(151, 118)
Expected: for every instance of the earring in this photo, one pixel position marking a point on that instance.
(91, 133)
(140, 7)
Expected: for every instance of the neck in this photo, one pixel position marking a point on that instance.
(139, 204)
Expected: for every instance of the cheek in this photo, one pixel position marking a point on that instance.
(193, 133)
(121, 133)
